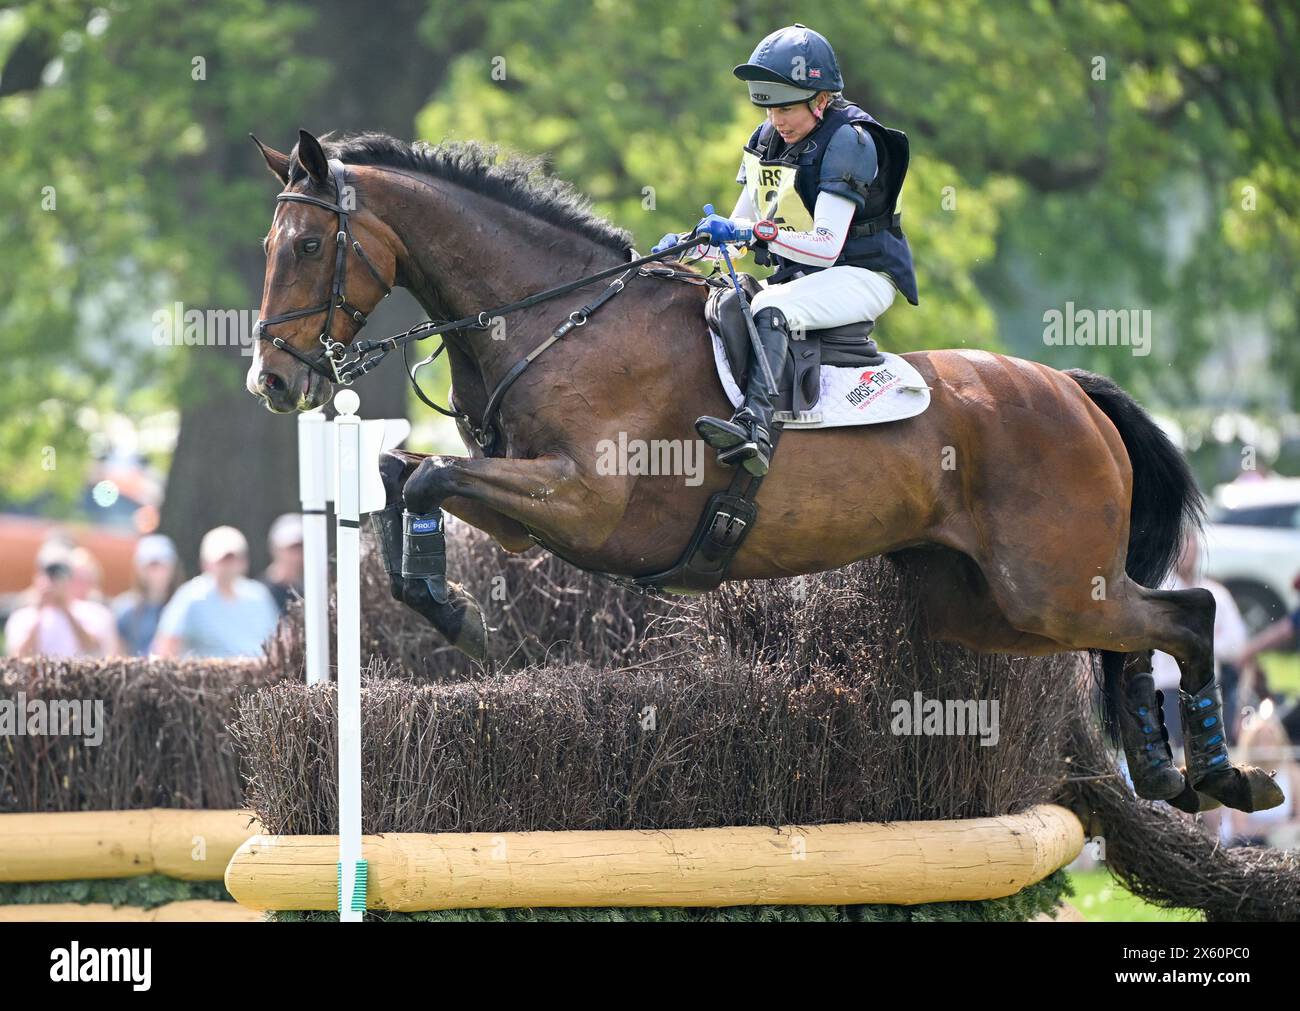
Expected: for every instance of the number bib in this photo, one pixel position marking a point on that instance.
(771, 188)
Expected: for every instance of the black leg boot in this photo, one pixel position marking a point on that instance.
(1208, 765)
(386, 524)
(424, 552)
(451, 609)
(746, 439)
(1146, 740)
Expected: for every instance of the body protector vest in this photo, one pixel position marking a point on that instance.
(784, 180)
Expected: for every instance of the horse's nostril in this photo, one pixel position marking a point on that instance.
(270, 382)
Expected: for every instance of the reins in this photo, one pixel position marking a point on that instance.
(344, 364)
(368, 354)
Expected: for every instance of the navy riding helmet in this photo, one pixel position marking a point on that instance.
(790, 65)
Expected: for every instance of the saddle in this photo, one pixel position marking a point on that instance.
(799, 379)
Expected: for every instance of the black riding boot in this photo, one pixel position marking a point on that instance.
(746, 439)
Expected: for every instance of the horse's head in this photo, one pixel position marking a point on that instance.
(328, 264)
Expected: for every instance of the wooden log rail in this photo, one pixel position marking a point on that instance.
(67, 846)
(901, 863)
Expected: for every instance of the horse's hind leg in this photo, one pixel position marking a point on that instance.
(1141, 723)
(1201, 709)
(1183, 620)
(1128, 618)
(958, 606)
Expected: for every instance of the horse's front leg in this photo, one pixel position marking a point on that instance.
(396, 467)
(448, 607)
(546, 493)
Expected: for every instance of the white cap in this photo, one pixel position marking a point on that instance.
(154, 548)
(54, 551)
(285, 531)
(219, 542)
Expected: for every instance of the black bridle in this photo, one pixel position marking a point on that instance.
(343, 364)
(330, 361)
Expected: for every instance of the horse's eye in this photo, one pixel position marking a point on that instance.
(311, 246)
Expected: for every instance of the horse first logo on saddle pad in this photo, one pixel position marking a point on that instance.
(891, 391)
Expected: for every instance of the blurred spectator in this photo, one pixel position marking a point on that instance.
(220, 612)
(1230, 635)
(1279, 635)
(60, 621)
(139, 608)
(1264, 743)
(283, 577)
(87, 580)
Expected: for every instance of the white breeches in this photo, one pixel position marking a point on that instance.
(831, 297)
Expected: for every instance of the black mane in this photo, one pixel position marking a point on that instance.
(518, 180)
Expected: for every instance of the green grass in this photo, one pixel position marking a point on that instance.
(1101, 899)
(1096, 895)
(146, 891)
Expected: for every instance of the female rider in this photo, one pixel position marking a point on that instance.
(820, 182)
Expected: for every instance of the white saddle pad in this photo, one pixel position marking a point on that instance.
(850, 396)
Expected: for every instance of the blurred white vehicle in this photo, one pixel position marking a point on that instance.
(1252, 546)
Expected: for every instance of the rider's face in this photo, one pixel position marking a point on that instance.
(793, 122)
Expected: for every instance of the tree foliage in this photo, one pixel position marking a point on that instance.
(1113, 153)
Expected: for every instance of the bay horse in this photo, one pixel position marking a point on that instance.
(1039, 509)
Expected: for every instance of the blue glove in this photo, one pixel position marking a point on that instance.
(667, 242)
(722, 229)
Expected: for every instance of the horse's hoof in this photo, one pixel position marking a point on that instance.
(471, 628)
(458, 617)
(1244, 789)
(1193, 801)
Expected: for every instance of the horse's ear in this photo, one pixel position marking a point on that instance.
(278, 163)
(311, 156)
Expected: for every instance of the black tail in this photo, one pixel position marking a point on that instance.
(1166, 503)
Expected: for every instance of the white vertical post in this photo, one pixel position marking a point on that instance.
(313, 482)
(347, 506)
